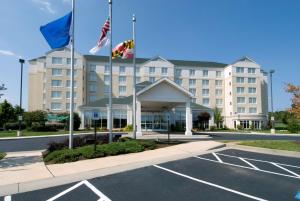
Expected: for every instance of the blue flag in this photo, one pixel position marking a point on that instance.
(57, 32)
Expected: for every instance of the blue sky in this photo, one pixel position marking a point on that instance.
(267, 31)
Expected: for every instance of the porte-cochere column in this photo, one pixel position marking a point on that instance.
(188, 118)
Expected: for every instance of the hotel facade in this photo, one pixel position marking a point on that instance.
(177, 93)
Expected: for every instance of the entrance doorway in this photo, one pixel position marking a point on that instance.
(154, 121)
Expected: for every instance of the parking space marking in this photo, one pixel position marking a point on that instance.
(217, 157)
(7, 198)
(266, 171)
(102, 197)
(211, 184)
(254, 167)
(285, 169)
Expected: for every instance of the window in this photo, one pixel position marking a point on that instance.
(178, 81)
(122, 70)
(205, 83)
(56, 60)
(251, 70)
(218, 73)
(92, 67)
(240, 80)
(240, 100)
(219, 101)
(252, 110)
(69, 61)
(193, 91)
(138, 79)
(251, 90)
(151, 79)
(192, 72)
(205, 92)
(68, 83)
(239, 70)
(240, 110)
(245, 124)
(205, 73)
(218, 92)
(205, 101)
(122, 79)
(218, 82)
(251, 80)
(106, 89)
(56, 72)
(122, 89)
(68, 94)
(240, 90)
(93, 98)
(192, 82)
(252, 100)
(151, 70)
(55, 106)
(177, 72)
(68, 106)
(106, 69)
(93, 76)
(164, 71)
(56, 83)
(137, 70)
(69, 72)
(92, 87)
(56, 94)
(106, 79)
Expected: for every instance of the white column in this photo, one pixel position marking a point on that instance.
(108, 117)
(129, 116)
(211, 121)
(138, 118)
(188, 118)
(82, 125)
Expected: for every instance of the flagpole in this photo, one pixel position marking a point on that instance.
(134, 77)
(110, 117)
(72, 79)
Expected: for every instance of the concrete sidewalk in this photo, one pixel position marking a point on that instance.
(36, 175)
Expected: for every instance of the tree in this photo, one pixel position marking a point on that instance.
(7, 113)
(66, 121)
(2, 88)
(218, 118)
(37, 116)
(295, 107)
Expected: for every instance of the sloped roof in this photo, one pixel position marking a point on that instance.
(143, 60)
(104, 102)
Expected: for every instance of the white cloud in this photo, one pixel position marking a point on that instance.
(9, 53)
(45, 5)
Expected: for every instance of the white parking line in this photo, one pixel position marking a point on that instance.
(217, 157)
(286, 169)
(211, 184)
(254, 167)
(252, 159)
(7, 198)
(285, 175)
(102, 197)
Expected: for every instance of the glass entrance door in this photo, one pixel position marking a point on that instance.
(154, 121)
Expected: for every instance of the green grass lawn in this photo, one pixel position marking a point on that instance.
(274, 144)
(2, 155)
(31, 133)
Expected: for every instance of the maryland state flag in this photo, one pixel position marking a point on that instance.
(124, 50)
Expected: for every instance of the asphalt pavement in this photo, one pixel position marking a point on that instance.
(231, 175)
(40, 143)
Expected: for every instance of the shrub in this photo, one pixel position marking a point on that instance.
(239, 127)
(42, 127)
(213, 128)
(128, 128)
(124, 139)
(2, 155)
(293, 126)
(66, 122)
(15, 126)
(35, 116)
(148, 144)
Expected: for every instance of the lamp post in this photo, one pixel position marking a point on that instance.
(20, 118)
(272, 114)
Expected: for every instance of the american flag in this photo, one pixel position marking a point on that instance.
(103, 40)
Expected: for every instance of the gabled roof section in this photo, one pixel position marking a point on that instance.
(169, 82)
(245, 59)
(157, 58)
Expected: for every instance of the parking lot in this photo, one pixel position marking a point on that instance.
(230, 174)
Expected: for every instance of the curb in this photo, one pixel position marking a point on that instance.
(266, 134)
(10, 189)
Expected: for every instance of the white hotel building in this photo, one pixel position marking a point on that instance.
(183, 93)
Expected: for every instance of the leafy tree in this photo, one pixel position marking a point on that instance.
(76, 118)
(7, 113)
(2, 88)
(37, 116)
(218, 118)
(295, 91)
(293, 125)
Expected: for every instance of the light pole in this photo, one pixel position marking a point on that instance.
(20, 118)
(272, 115)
